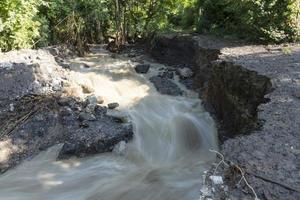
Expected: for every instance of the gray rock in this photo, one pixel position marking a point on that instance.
(84, 116)
(84, 65)
(167, 74)
(65, 65)
(92, 99)
(185, 72)
(87, 89)
(68, 101)
(131, 55)
(166, 86)
(120, 116)
(113, 105)
(142, 68)
(98, 137)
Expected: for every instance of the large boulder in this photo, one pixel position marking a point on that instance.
(166, 86)
(142, 68)
(100, 136)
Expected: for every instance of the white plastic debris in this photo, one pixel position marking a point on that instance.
(11, 107)
(217, 180)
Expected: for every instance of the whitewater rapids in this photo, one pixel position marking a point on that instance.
(165, 160)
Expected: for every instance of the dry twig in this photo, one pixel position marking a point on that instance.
(243, 178)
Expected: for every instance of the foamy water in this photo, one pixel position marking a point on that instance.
(165, 160)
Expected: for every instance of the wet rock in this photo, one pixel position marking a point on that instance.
(167, 74)
(53, 50)
(65, 65)
(185, 72)
(66, 111)
(99, 137)
(142, 68)
(113, 105)
(85, 116)
(166, 86)
(132, 55)
(84, 65)
(87, 89)
(68, 101)
(92, 99)
(92, 102)
(119, 116)
(101, 112)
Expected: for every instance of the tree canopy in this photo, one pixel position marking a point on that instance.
(33, 23)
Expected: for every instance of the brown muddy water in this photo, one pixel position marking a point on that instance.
(165, 160)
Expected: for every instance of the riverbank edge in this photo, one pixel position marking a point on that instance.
(243, 87)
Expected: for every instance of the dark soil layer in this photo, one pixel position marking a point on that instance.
(249, 89)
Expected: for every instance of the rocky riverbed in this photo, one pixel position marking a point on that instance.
(251, 91)
(103, 126)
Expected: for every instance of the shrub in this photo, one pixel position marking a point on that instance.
(19, 23)
(264, 20)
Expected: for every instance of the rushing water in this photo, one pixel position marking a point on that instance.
(165, 160)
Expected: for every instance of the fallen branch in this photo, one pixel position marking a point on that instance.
(274, 182)
(243, 172)
(246, 182)
(222, 160)
(237, 167)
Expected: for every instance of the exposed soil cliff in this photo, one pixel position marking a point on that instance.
(231, 92)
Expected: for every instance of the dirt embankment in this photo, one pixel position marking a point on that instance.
(253, 92)
(38, 109)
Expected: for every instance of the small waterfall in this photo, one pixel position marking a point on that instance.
(165, 160)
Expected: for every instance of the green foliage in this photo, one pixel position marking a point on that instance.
(19, 23)
(264, 20)
(32, 23)
(187, 13)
